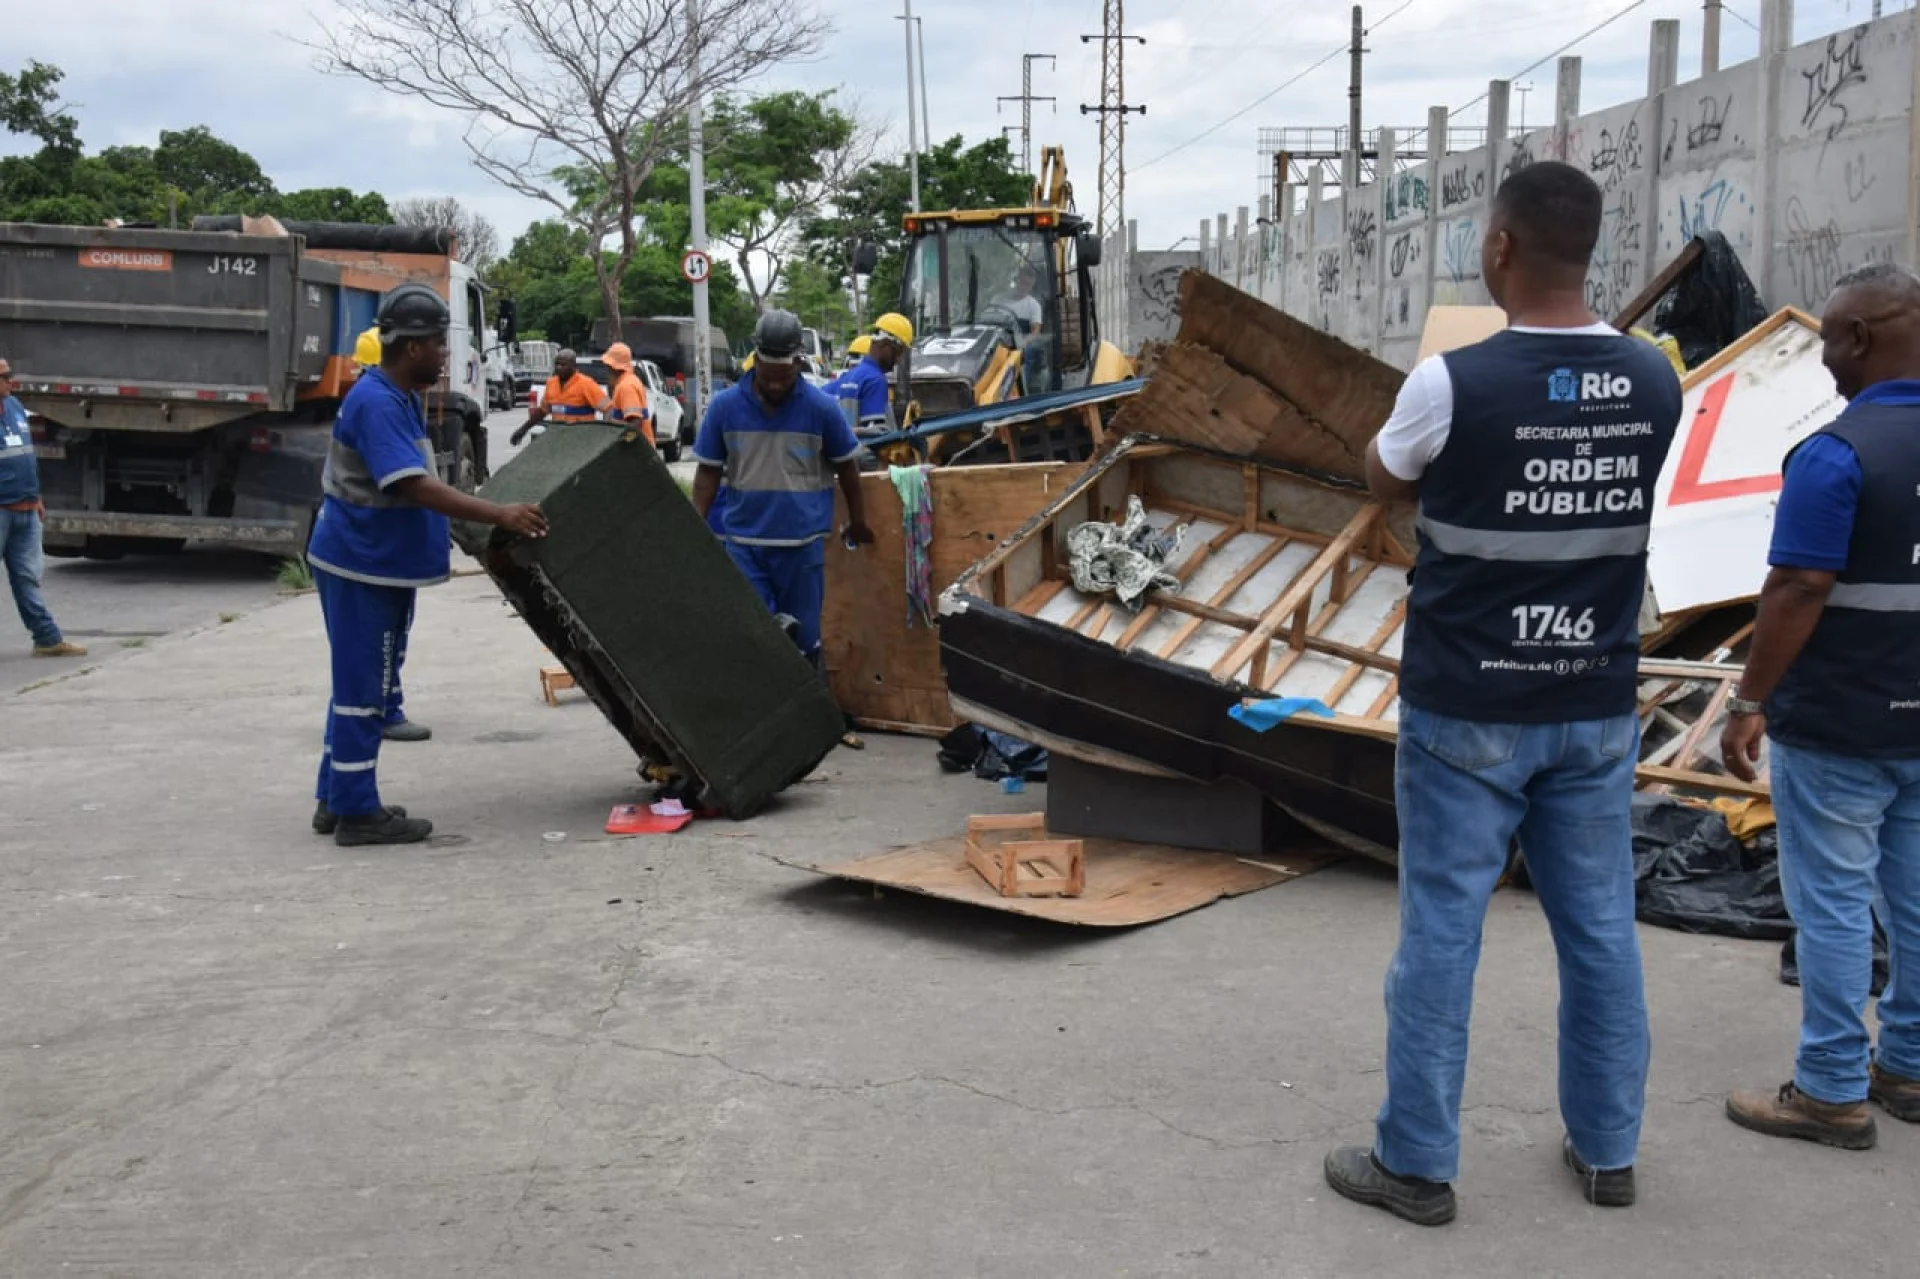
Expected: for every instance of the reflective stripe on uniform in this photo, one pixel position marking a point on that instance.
(365, 766)
(776, 462)
(364, 711)
(347, 476)
(1534, 547)
(1876, 597)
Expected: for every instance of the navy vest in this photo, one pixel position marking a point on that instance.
(1533, 529)
(1855, 688)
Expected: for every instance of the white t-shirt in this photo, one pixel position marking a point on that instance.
(1027, 309)
(1423, 414)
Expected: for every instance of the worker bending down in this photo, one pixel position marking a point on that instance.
(381, 534)
(780, 443)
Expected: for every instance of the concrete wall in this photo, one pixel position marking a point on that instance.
(1137, 292)
(1801, 158)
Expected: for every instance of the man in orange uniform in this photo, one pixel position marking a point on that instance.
(571, 396)
(629, 392)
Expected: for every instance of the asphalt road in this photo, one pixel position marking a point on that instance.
(115, 607)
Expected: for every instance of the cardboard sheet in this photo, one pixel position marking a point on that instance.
(1713, 506)
(1127, 884)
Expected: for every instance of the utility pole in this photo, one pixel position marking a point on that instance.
(1523, 90)
(926, 123)
(1113, 111)
(913, 128)
(1350, 175)
(702, 389)
(1026, 101)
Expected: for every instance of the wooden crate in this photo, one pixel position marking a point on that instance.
(1013, 854)
(552, 680)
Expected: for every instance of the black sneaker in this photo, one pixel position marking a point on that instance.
(325, 823)
(1604, 1187)
(381, 828)
(405, 730)
(1355, 1174)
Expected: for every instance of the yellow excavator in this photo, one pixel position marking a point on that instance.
(1002, 307)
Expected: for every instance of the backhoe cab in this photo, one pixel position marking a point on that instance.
(1002, 303)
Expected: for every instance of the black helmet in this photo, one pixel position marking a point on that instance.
(776, 337)
(411, 311)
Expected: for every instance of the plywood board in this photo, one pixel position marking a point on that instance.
(1126, 883)
(883, 671)
(1713, 507)
(1451, 327)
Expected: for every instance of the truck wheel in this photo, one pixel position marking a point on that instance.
(466, 476)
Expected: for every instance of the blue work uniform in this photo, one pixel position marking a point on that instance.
(371, 551)
(778, 462)
(20, 541)
(862, 395)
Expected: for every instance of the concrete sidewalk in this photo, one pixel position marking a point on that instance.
(229, 1048)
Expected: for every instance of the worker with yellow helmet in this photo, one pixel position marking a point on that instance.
(366, 348)
(857, 348)
(862, 390)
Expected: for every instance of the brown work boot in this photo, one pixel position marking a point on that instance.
(65, 648)
(1791, 1113)
(1897, 1095)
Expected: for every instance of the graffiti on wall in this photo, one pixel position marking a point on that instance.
(1617, 156)
(1460, 184)
(1405, 253)
(1818, 255)
(1406, 195)
(1614, 275)
(1462, 250)
(1363, 238)
(1840, 67)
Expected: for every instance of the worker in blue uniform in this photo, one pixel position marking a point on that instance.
(863, 392)
(780, 444)
(382, 534)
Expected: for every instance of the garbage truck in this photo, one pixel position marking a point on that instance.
(182, 385)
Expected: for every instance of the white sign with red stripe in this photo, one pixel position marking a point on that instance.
(1743, 411)
(696, 266)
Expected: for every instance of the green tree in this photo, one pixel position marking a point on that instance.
(330, 204)
(952, 176)
(30, 106)
(819, 298)
(209, 173)
(773, 164)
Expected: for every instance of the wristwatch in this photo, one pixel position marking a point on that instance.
(1742, 706)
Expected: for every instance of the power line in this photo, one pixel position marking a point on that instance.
(1727, 8)
(1266, 97)
(1557, 52)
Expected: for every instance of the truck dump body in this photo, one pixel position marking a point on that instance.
(633, 594)
(107, 325)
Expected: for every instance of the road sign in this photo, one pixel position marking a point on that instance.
(696, 266)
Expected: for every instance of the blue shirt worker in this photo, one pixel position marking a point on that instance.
(382, 534)
(780, 443)
(863, 392)
(396, 727)
(1833, 680)
(1533, 457)
(20, 512)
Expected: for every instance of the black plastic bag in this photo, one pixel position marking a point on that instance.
(1691, 874)
(991, 755)
(1712, 305)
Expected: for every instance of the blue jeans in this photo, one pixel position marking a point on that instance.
(20, 547)
(791, 580)
(1464, 790)
(1849, 827)
(366, 626)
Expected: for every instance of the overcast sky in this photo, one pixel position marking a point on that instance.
(235, 66)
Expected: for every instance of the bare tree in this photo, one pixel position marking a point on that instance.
(475, 240)
(571, 102)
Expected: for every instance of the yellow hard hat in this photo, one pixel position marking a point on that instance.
(746, 365)
(895, 326)
(860, 345)
(366, 348)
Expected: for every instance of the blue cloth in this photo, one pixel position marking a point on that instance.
(778, 462)
(790, 580)
(1464, 789)
(1847, 828)
(20, 548)
(19, 468)
(1263, 715)
(1821, 492)
(365, 531)
(366, 630)
(865, 387)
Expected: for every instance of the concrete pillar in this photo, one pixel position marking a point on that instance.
(1383, 198)
(1663, 57)
(1499, 98)
(1316, 187)
(1436, 154)
(1206, 230)
(1225, 269)
(1710, 39)
(1241, 258)
(1776, 37)
(1566, 103)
